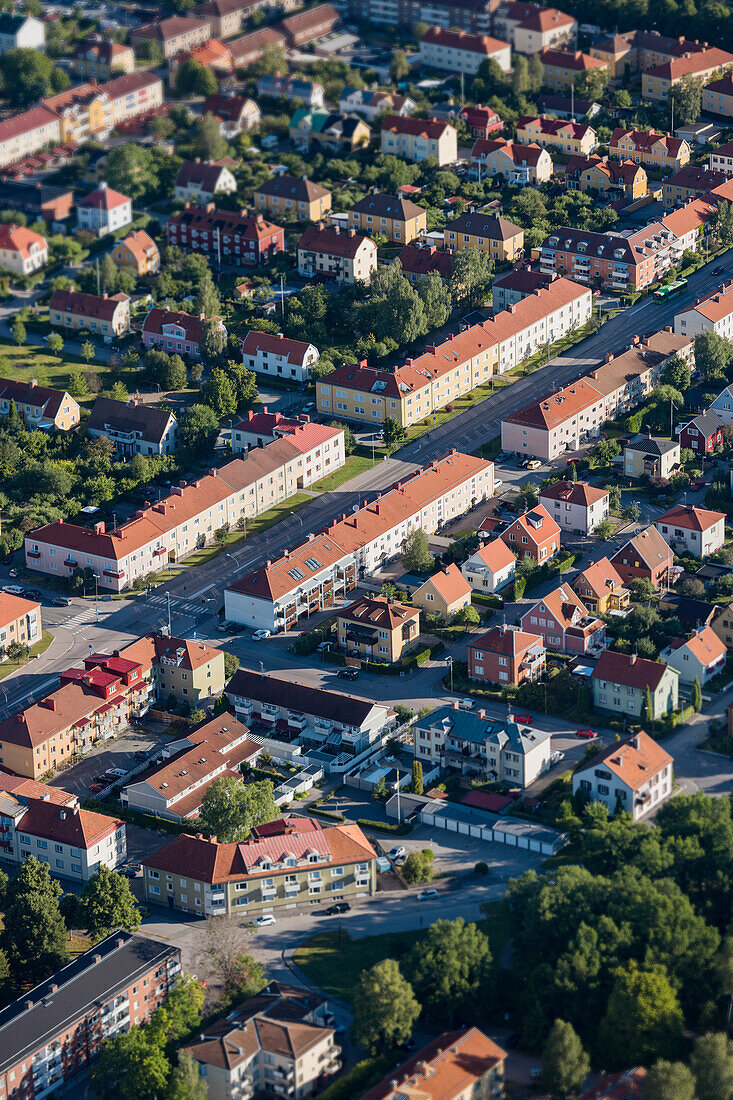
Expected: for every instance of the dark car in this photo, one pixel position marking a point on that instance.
(32, 594)
(141, 755)
(61, 601)
(339, 907)
(128, 872)
(718, 270)
(234, 628)
(348, 674)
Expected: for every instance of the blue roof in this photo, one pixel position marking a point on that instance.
(467, 726)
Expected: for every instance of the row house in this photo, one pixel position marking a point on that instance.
(490, 233)
(39, 406)
(25, 134)
(473, 744)
(172, 330)
(105, 316)
(699, 658)
(292, 861)
(48, 823)
(646, 556)
(278, 356)
(506, 655)
(22, 250)
(174, 35)
(328, 252)
(459, 364)
(555, 133)
(702, 65)
(601, 589)
(650, 148)
(309, 717)
(530, 28)
(52, 1034)
(393, 216)
(692, 530)
(561, 68)
(623, 179)
(621, 680)
(564, 623)
(418, 138)
(304, 27)
(575, 505)
(639, 50)
(328, 565)
(633, 775)
(533, 535)
(703, 434)
(462, 52)
(519, 165)
(230, 237)
(248, 48)
(188, 519)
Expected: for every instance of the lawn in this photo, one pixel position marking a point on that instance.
(334, 961)
(40, 647)
(355, 464)
(49, 370)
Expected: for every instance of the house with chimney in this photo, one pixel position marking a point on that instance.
(235, 114)
(278, 356)
(564, 623)
(534, 535)
(646, 556)
(39, 406)
(703, 434)
(292, 197)
(328, 252)
(634, 775)
(506, 655)
(445, 593)
(699, 658)
(101, 315)
(133, 427)
(418, 138)
(621, 681)
(104, 211)
(201, 181)
(175, 332)
(378, 629)
(491, 567)
(692, 530)
(259, 428)
(601, 589)
(457, 1065)
(229, 236)
(576, 505)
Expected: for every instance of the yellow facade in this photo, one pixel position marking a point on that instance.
(394, 229)
(498, 249)
(654, 86)
(657, 156)
(593, 179)
(561, 78)
(278, 206)
(563, 141)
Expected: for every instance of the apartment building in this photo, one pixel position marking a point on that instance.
(459, 364)
(639, 50)
(134, 428)
(531, 29)
(713, 313)
(519, 165)
(192, 671)
(248, 48)
(494, 235)
(418, 138)
(690, 182)
(601, 589)
(281, 1040)
(188, 519)
(651, 148)
(45, 822)
(290, 862)
(174, 787)
(304, 27)
(721, 159)
(555, 133)
(557, 423)
(39, 406)
(138, 253)
(327, 565)
(293, 197)
(621, 263)
(345, 257)
(511, 287)
(692, 530)
(646, 556)
(462, 52)
(650, 456)
(310, 717)
(419, 262)
(174, 35)
(702, 65)
(278, 356)
(717, 97)
(533, 535)
(394, 216)
(407, 13)
(472, 744)
(104, 211)
(564, 623)
(41, 200)
(133, 94)
(575, 505)
(618, 179)
(84, 110)
(263, 427)
(108, 317)
(378, 629)
(506, 655)
(202, 181)
(699, 658)
(174, 331)
(25, 134)
(703, 434)
(561, 68)
(53, 1032)
(20, 621)
(246, 238)
(491, 567)
(444, 593)
(227, 17)
(633, 775)
(102, 58)
(620, 682)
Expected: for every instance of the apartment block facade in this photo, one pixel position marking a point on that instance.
(415, 139)
(462, 52)
(225, 234)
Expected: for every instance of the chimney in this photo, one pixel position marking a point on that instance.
(53, 988)
(455, 704)
(633, 658)
(33, 383)
(49, 703)
(481, 714)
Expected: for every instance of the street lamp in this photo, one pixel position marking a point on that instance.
(300, 521)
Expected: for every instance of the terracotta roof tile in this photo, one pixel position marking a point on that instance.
(446, 1069)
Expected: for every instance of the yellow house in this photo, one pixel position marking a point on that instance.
(377, 629)
(293, 197)
(602, 175)
(650, 148)
(499, 238)
(601, 589)
(445, 593)
(703, 65)
(418, 138)
(717, 98)
(555, 133)
(561, 69)
(83, 111)
(138, 252)
(398, 219)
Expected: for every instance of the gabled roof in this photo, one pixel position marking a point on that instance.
(538, 524)
(382, 205)
(293, 351)
(633, 760)
(378, 611)
(141, 245)
(563, 59)
(650, 546)
(645, 141)
(298, 188)
(574, 492)
(16, 238)
(691, 517)
(204, 174)
(418, 127)
(331, 240)
(104, 198)
(705, 645)
(601, 577)
(28, 393)
(121, 416)
(530, 154)
(447, 1068)
(86, 305)
(629, 670)
(509, 640)
(449, 583)
(336, 706)
(555, 127)
(462, 40)
(707, 423)
(495, 555)
(690, 64)
(485, 225)
(566, 607)
(155, 321)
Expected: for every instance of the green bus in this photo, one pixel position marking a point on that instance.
(672, 290)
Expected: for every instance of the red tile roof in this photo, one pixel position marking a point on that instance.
(86, 305)
(574, 492)
(448, 1068)
(67, 824)
(463, 40)
(418, 127)
(104, 198)
(691, 517)
(16, 238)
(629, 670)
(330, 240)
(634, 760)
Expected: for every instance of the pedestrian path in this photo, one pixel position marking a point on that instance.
(176, 603)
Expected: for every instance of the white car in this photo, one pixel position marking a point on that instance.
(466, 704)
(398, 852)
(427, 895)
(263, 922)
(498, 483)
(260, 634)
(557, 756)
(13, 589)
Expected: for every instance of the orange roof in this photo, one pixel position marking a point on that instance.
(575, 492)
(565, 605)
(449, 583)
(12, 607)
(634, 761)
(558, 407)
(379, 611)
(580, 62)
(16, 238)
(601, 577)
(690, 216)
(141, 245)
(694, 519)
(446, 1069)
(538, 524)
(507, 639)
(495, 555)
(717, 305)
(706, 646)
(691, 63)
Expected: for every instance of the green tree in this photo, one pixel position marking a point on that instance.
(385, 1009)
(399, 67)
(418, 867)
(471, 279)
(711, 1063)
(207, 141)
(108, 904)
(393, 310)
(222, 954)
(185, 1081)
(536, 73)
(34, 934)
(213, 341)
(669, 1081)
(78, 385)
(520, 76)
(198, 428)
(207, 298)
(18, 330)
(417, 780)
(437, 301)
(393, 434)
(176, 377)
(230, 810)
(686, 96)
(647, 709)
(721, 224)
(565, 1065)
(131, 169)
(677, 373)
(621, 98)
(119, 392)
(108, 274)
(87, 353)
(55, 343)
(591, 83)
(218, 392)
(25, 76)
(180, 1012)
(713, 355)
(415, 553)
(449, 967)
(604, 530)
(349, 441)
(643, 1018)
(467, 616)
(231, 664)
(130, 1066)
(193, 78)
(696, 697)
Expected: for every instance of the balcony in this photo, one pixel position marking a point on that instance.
(283, 1074)
(71, 563)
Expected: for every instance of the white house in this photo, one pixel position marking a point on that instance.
(21, 32)
(634, 774)
(104, 211)
(701, 658)
(21, 250)
(575, 505)
(713, 313)
(697, 531)
(723, 405)
(491, 567)
(278, 356)
(202, 180)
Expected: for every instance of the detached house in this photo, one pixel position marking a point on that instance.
(22, 251)
(635, 775)
(103, 316)
(620, 682)
(481, 121)
(293, 197)
(447, 592)
(278, 356)
(533, 535)
(345, 257)
(556, 133)
(576, 505)
(104, 211)
(517, 164)
(601, 589)
(700, 658)
(646, 556)
(203, 180)
(722, 406)
(497, 237)
(418, 138)
(138, 253)
(506, 655)
(650, 148)
(398, 219)
(692, 530)
(134, 428)
(491, 567)
(703, 434)
(174, 331)
(378, 629)
(564, 622)
(650, 456)
(234, 113)
(39, 406)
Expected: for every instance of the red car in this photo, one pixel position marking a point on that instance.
(699, 483)
(589, 734)
(524, 718)
(571, 460)
(96, 788)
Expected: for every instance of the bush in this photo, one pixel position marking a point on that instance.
(418, 867)
(385, 826)
(481, 868)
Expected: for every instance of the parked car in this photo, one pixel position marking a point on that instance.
(524, 718)
(339, 907)
(13, 589)
(556, 756)
(466, 704)
(234, 628)
(534, 464)
(127, 872)
(398, 851)
(260, 635)
(33, 594)
(588, 734)
(264, 921)
(348, 674)
(95, 788)
(427, 895)
(61, 601)
(116, 773)
(719, 270)
(698, 483)
(13, 572)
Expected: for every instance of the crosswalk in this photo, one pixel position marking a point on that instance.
(177, 604)
(82, 619)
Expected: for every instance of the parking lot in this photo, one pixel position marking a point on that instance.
(117, 753)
